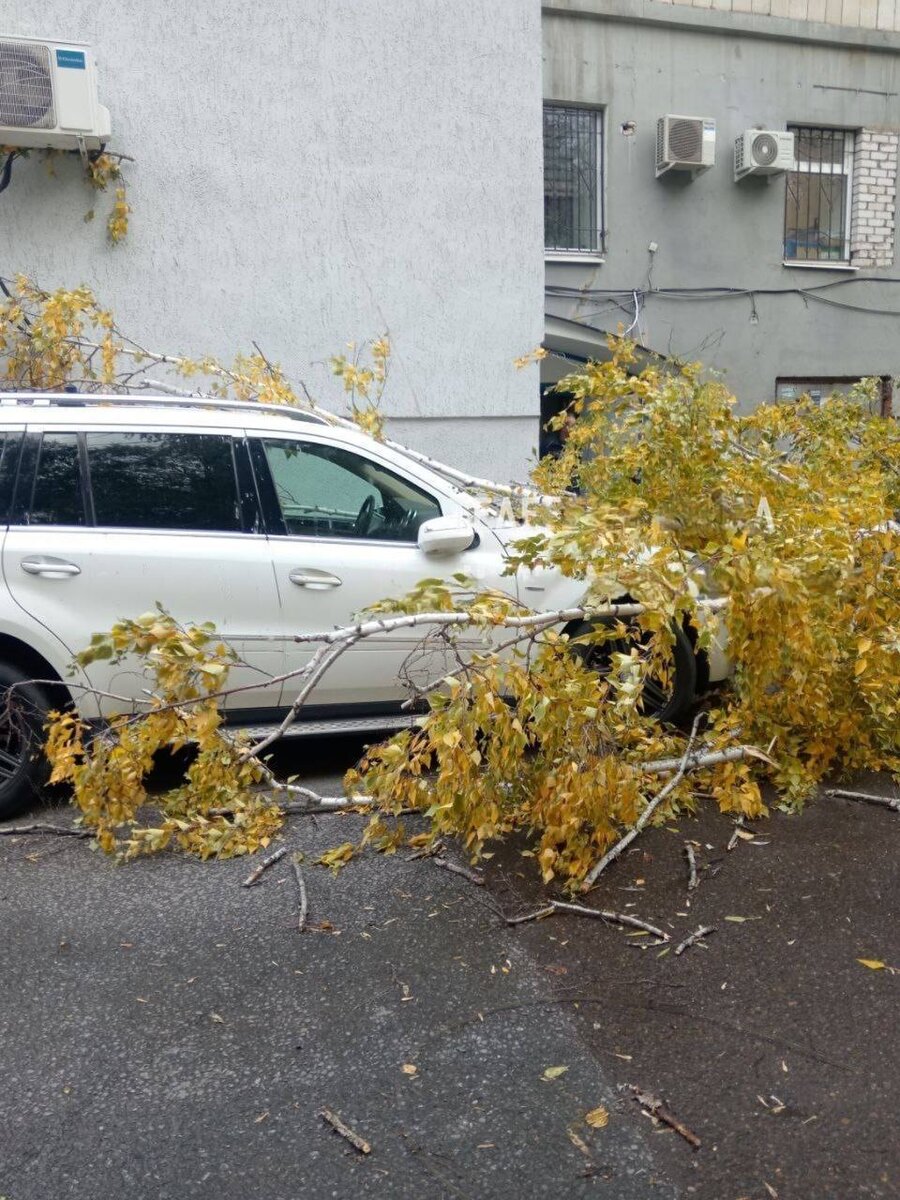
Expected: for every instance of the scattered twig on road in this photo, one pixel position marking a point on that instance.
(581, 910)
(304, 899)
(693, 938)
(693, 879)
(256, 874)
(56, 830)
(866, 798)
(457, 869)
(357, 1142)
(733, 840)
(623, 843)
(656, 1108)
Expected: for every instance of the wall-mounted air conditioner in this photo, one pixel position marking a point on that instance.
(763, 152)
(48, 96)
(685, 144)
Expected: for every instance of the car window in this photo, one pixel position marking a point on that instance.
(330, 491)
(56, 492)
(179, 481)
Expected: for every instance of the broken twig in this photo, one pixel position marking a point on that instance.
(581, 910)
(357, 1142)
(304, 899)
(256, 874)
(866, 797)
(56, 830)
(656, 1108)
(694, 937)
(733, 840)
(457, 869)
(693, 879)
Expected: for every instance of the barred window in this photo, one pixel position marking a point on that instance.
(819, 196)
(573, 179)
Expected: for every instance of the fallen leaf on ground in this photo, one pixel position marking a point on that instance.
(597, 1117)
(409, 1069)
(554, 1072)
(874, 964)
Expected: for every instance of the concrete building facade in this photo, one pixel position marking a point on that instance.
(312, 174)
(780, 282)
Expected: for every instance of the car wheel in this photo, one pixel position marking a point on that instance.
(23, 767)
(664, 699)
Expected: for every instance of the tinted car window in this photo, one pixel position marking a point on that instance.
(329, 491)
(56, 495)
(164, 481)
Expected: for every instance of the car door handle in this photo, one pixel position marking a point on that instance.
(46, 564)
(308, 577)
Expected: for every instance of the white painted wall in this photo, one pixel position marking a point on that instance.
(312, 173)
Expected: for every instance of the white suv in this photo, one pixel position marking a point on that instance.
(265, 520)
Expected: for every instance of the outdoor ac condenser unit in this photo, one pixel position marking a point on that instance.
(48, 96)
(685, 144)
(763, 152)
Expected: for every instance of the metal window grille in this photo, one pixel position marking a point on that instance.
(573, 179)
(818, 196)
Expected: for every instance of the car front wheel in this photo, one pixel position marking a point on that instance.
(667, 696)
(23, 767)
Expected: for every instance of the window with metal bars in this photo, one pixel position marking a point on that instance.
(573, 179)
(819, 196)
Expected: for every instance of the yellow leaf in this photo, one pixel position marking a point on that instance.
(598, 1117)
(409, 1069)
(874, 964)
(554, 1072)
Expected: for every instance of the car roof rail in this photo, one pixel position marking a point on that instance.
(25, 399)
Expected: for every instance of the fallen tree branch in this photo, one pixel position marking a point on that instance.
(256, 873)
(582, 910)
(457, 869)
(693, 938)
(656, 1108)
(624, 842)
(693, 878)
(304, 899)
(40, 828)
(866, 798)
(357, 1142)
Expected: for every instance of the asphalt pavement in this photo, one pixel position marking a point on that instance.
(168, 1034)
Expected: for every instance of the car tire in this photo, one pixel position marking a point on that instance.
(664, 702)
(24, 768)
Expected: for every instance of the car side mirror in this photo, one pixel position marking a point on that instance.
(445, 535)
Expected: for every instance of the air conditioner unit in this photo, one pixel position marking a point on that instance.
(48, 96)
(763, 152)
(685, 144)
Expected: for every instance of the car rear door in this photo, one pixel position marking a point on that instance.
(109, 522)
(342, 532)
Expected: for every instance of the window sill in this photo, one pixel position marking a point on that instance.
(589, 257)
(818, 266)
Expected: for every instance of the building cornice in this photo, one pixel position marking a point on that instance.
(729, 24)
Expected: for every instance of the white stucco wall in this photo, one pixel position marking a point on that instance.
(310, 174)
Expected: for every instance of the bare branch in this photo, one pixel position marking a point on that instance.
(256, 874)
(893, 803)
(694, 937)
(304, 899)
(357, 1142)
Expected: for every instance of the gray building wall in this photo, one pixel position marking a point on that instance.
(310, 174)
(641, 59)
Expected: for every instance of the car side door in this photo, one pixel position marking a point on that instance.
(110, 521)
(342, 526)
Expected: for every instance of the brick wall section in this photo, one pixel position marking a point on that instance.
(874, 198)
(855, 14)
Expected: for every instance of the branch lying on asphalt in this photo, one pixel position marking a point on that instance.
(357, 1142)
(304, 899)
(581, 910)
(457, 869)
(256, 873)
(56, 830)
(657, 1109)
(693, 879)
(866, 798)
(693, 938)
